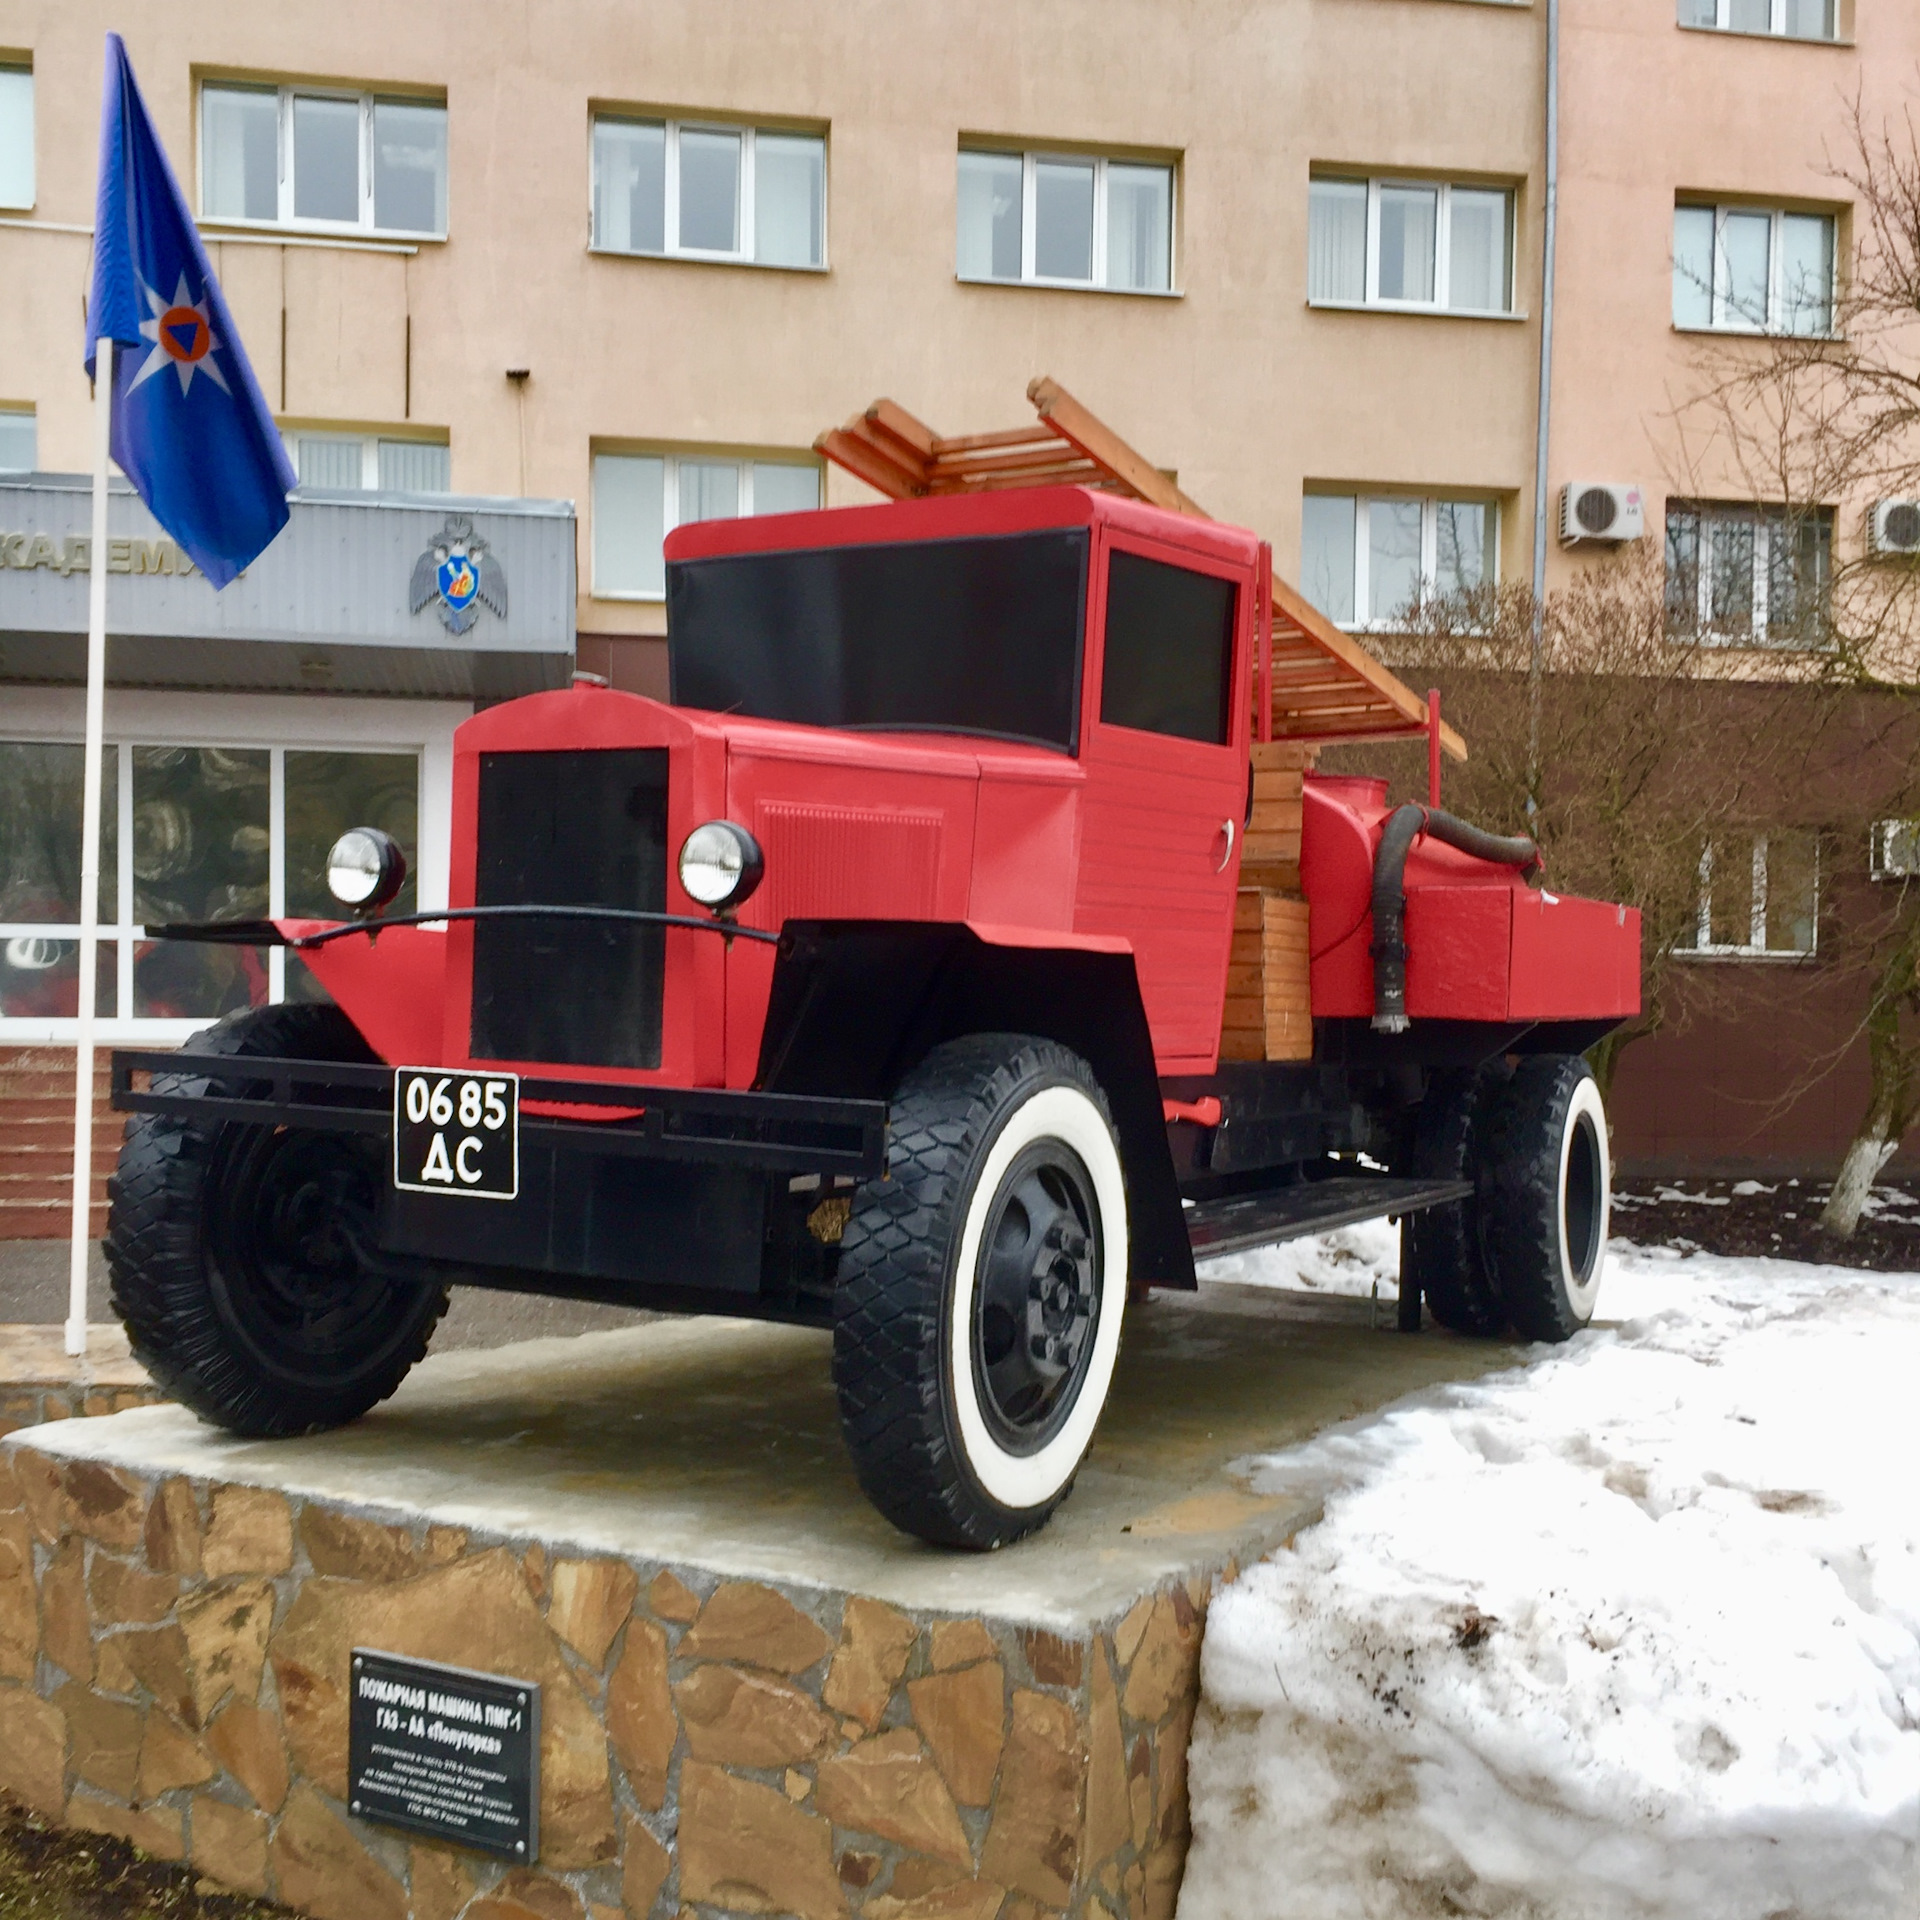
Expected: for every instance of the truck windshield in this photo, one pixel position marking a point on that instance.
(953, 636)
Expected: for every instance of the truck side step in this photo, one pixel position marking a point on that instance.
(1245, 1220)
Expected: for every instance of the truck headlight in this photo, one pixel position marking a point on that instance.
(365, 869)
(720, 865)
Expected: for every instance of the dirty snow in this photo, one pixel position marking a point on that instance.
(1628, 1632)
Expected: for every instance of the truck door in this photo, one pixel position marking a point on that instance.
(1165, 751)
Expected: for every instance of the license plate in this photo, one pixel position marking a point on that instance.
(456, 1133)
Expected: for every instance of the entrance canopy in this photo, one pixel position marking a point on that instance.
(1324, 688)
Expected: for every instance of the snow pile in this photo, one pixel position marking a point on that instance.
(1631, 1631)
(1350, 1260)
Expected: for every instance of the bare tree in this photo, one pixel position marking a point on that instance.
(1828, 414)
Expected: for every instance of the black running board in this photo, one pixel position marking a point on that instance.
(1263, 1219)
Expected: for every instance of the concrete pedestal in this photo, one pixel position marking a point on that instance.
(757, 1697)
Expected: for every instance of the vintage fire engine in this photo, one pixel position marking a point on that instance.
(967, 946)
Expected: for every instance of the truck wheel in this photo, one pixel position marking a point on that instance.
(1441, 1249)
(981, 1285)
(243, 1258)
(1545, 1185)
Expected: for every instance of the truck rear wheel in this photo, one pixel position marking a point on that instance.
(981, 1285)
(1442, 1250)
(1544, 1192)
(243, 1258)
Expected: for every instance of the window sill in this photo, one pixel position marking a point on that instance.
(1409, 308)
(703, 260)
(1750, 333)
(629, 599)
(302, 234)
(1072, 286)
(1728, 956)
(1746, 33)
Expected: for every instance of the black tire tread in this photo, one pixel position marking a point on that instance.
(153, 1246)
(1443, 1251)
(888, 1299)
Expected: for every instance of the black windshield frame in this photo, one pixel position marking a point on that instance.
(981, 635)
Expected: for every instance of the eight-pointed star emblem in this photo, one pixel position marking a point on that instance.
(182, 334)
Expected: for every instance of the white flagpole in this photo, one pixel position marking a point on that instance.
(90, 855)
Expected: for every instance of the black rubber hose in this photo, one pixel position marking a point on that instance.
(1404, 826)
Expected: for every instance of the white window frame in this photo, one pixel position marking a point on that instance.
(1776, 28)
(670, 459)
(1031, 159)
(1724, 318)
(273, 723)
(1755, 946)
(1764, 526)
(286, 220)
(749, 132)
(1442, 248)
(368, 443)
(33, 136)
(1430, 505)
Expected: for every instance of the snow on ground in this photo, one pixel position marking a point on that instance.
(1629, 1632)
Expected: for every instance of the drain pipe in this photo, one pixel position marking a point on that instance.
(1549, 233)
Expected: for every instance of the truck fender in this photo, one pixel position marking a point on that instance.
(854, 1005)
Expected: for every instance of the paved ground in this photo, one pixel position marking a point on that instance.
(716, 1444)
(33, 1289)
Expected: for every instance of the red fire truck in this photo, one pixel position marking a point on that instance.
(966, 946)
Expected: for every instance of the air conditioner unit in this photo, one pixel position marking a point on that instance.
(1595, 510)
(1894, 526)
(1895, 850)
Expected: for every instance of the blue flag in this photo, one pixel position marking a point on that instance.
(190, 428)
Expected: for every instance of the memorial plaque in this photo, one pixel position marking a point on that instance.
(445, 1752)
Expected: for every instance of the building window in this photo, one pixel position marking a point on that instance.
(1752, 270)
(19, 442)
(1759, 897)
(1375, 562)
(16, 136)
(681, 191)
(1745, 574)
(1064, 220)
(1419, 245)
(308, 157)
(217, 833)
(365, 460)
(639, 498)
(1784, 19)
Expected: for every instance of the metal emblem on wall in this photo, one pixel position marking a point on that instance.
(445, 1752)
(459, 570)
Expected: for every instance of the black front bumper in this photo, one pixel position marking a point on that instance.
(691, 1203)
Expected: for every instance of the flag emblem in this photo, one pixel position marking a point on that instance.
(459, 571)
(182, 334)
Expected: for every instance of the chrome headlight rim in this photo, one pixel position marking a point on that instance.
(720, 865)
(365, 869)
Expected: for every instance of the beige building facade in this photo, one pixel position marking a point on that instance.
(637, 258)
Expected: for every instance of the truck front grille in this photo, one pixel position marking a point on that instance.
(583, 829)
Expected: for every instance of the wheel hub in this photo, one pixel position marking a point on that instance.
(1037, 1295)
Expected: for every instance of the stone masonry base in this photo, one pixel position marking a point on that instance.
(173, 1669)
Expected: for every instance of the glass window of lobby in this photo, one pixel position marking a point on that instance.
(756, 195)
(1065, 220)
(1753, 270)
(317, 157)
(639, 498)
(16, 135)
(216, 833)
(1785, 19)
(1375, 561)
(1416, 245)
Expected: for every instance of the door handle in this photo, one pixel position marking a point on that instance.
(1226, 827)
